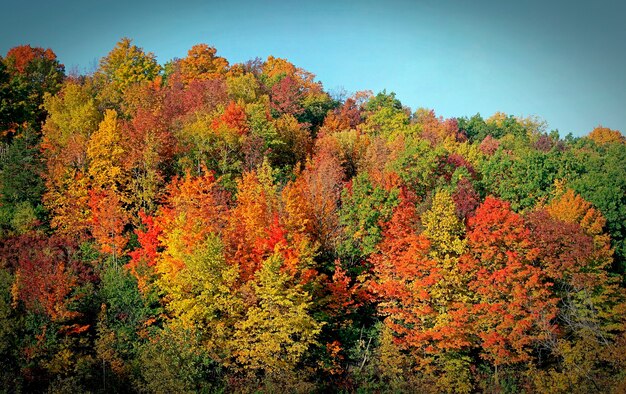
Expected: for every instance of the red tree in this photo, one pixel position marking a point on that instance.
(513, 304)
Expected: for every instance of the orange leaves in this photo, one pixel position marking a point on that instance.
(404, 277)
(346, 295)
(435, 129)
(234, 118)
(492, 297)
(202, 63)
(570, 207)
(108, 219)
(194, 208)
(312, 201)
(513, 304)
(604, 135)
(249, 220)
(495, 230)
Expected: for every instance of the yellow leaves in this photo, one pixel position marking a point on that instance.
(443, 228)
(124, 66)
(69, 204)
(200, 293)
(244, 87)
(456, 376)
(572, 208)
(277, 332)
(15, 289)
(105, 154)
(72, 117)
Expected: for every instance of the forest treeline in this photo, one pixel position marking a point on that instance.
(201, 226)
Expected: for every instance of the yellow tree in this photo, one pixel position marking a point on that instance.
(123, 67)
(201, 295)
(105, 153)
(277, 330)
(72, 117)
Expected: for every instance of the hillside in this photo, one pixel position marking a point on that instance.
(202, 226)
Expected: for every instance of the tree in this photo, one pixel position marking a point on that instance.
(173, 360)
(250, 220)
(124, 66)
(364, 208)
(521, 178)
(435, 130)
(285, 97)
(21, 185)
(312, 201)
(30, 74)
(143, 259)
(201, 294)
(514, 307)
(149, 150)
(598, 177)
(293, 142)
(194, 208)
(108, 219)
(385, 116)
(202, 63)
(105, 152)
(276, 332)
(603, 135)
(72, 117)
(591, 302)
(234, 118)
(424, 290)
(125, 319)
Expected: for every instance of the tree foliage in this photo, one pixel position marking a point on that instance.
(206, 226)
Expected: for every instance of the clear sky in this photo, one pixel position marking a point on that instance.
(560, 60)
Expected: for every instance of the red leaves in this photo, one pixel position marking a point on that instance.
(22, 55)
(564, 248)
(435, 129)
(285, 97)
(466, 199)
(234, 118)
(514, 301)
(144, 258)
(47, 273)
(148, 239)
(495, 229)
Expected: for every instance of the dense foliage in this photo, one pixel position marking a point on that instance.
(207, 226)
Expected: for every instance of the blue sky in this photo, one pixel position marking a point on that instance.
(559, 60)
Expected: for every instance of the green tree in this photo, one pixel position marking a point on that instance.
(363, 208)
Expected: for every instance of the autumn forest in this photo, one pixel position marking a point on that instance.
(208, 226)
